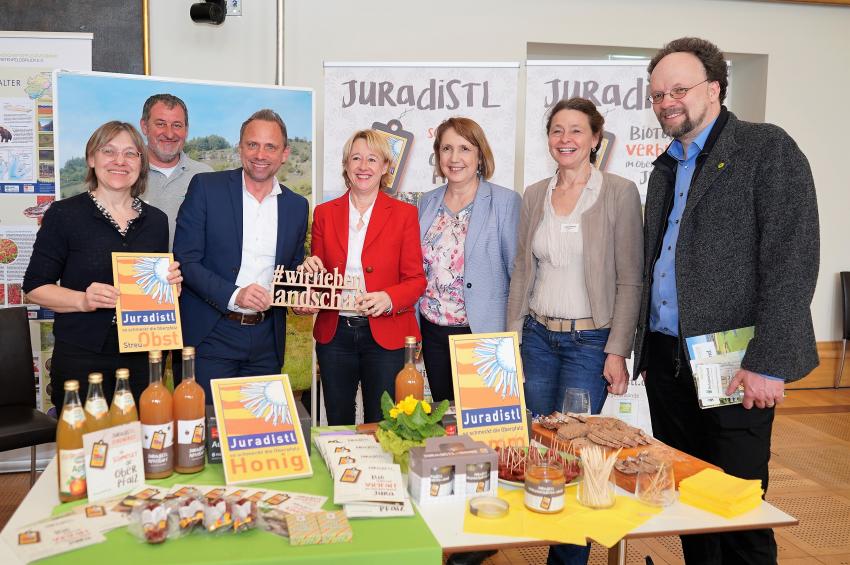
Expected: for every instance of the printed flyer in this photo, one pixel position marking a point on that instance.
(487, 378)
(113, 461)
(147, 314)
(261, 438)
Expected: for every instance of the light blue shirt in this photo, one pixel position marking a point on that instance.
(664, 302)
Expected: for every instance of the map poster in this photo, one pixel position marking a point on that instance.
(147, 313)
(487, 378)
(261, 438)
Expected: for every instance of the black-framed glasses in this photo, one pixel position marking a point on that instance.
(112, 153)
(675, 93)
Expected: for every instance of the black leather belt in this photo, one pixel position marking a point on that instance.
(355, 321)
(246, 319)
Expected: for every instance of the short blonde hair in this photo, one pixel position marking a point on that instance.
(376, 143)
(106, 133)
(472, 132)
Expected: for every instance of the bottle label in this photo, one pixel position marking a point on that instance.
(157, 451)
(72, 472)
(73, 415)
(96, 407)
(124, 401)
(190, 442)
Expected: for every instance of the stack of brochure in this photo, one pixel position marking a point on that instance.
(366, 481)
(719, 493)
(715, 358)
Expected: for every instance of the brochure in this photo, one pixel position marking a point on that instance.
(715, 358)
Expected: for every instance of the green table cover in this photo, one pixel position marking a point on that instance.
(405, 540)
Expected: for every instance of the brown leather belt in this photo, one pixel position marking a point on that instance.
(246, 319)
(564, 324)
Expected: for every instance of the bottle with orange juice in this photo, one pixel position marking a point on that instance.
(123, 409)
(409, 380)
(189, 413)
(156, 415)
(96, 408)
(70, 455)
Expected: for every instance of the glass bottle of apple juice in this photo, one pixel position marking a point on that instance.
(96, 408)
(156, 415)
(69, 445)
(123, 409)
(189, 417)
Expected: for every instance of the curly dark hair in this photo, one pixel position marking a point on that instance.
(707, 52)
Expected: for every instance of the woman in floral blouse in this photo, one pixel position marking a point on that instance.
(469, 232)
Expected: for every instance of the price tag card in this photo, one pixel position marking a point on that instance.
(113, 461)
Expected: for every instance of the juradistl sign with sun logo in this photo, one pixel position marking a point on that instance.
(487, 378)
(261, 438)
(147, 313)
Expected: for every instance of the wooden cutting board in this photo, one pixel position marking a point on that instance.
(684, 465)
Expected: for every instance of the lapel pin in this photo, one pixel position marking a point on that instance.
(721, 164)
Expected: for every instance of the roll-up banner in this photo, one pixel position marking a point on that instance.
(407, 101)
(632, 139)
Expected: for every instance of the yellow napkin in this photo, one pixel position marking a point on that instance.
(575, 524)
(727, 510)
(719, 487)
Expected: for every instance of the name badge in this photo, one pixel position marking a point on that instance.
(569, 228)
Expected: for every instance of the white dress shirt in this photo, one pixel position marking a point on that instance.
(259, 242)
(356, 240)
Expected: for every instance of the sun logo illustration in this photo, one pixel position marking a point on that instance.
(495, 361)
(151, 274)
(266, 401)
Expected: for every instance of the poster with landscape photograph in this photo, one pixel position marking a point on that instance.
(85, 100)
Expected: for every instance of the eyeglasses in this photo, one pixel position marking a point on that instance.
(675, 93)
(112, 153)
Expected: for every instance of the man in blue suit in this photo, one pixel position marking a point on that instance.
(233, 228)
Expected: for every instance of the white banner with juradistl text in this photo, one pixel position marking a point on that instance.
(408, 101)
(632, 139)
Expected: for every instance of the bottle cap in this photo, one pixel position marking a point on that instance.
(155, 356)
(410, 340)
(71, 385)
(95, 378)
(122, 374)
(188, 351)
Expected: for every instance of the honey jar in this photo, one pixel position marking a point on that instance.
(544, 487)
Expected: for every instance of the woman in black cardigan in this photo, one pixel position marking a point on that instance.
(70, 271)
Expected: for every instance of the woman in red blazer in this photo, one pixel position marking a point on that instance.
(365, 233)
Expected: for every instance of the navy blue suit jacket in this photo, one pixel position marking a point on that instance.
(208, 244)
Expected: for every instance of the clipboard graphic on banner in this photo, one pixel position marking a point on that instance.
(400, 142)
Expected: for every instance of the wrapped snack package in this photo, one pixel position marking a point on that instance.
(217, 515)
(334, 527)
(274, 521)
(244, 514)
(303, 529)
(188, 510)
(150, 522)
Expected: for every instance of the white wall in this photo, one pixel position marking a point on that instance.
(808, 49)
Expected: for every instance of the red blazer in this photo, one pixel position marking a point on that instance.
(392, 262)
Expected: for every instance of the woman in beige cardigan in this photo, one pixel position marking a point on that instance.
(576, 284)
(577, 278)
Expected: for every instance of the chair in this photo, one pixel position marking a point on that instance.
(845, 322)
(21, 425)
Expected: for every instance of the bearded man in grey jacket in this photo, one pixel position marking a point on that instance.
(731, 241)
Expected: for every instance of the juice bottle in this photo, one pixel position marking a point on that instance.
(69, 445)
(189, 412)
(123, 409)
(155, 413)
(97, 411)
(409, 380)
